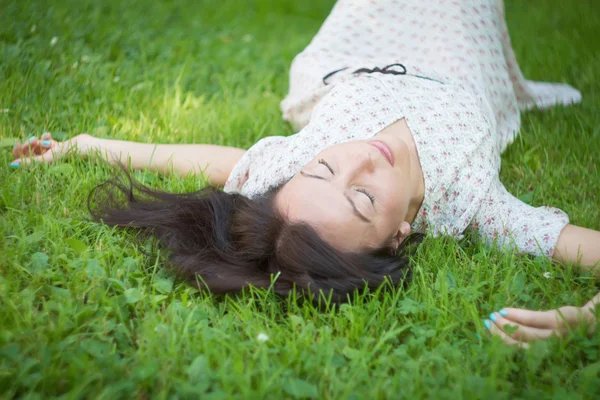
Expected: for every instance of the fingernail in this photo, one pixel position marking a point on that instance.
(493, 317)
(31, 139)
(488, 324)
(503, 312)
(15, 164)
(46, 142)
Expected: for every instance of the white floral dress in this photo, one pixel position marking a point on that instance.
(459, 88)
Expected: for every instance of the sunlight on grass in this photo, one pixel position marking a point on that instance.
(87, 311)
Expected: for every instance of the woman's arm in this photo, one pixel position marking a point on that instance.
(508, 222)
(505, 220)
(216, 162)
(579, 245)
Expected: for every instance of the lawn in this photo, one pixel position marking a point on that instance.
(86, 312)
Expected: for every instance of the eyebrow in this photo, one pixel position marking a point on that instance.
(356, 212)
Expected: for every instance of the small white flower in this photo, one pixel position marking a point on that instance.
(85, 59)
(53, 41)
(75, 64)
(247, 38)
(4, 110)
(33, 28)
(116, 79)
(547, 275)
(262, 337)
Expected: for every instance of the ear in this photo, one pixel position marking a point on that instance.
(401, 235)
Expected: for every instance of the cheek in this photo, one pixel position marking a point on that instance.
(394, 200)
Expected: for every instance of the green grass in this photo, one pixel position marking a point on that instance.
(86, 313)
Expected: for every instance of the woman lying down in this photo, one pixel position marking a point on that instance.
(402, 109)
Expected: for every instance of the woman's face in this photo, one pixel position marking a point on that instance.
(353, 194)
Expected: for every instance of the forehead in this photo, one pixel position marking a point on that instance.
(311, 200)
(340, 147)
(325, 209)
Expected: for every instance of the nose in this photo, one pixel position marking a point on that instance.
(362, 163)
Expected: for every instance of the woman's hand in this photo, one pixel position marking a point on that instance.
(518, 326)
(48, 150)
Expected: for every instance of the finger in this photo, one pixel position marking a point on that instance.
(46, 145)
(535, 319)
(16, 162)
(35, 147)
(559, 320)
(46, 142)
(47, 157)
(520, 332)
(495, 331)
(29, 147)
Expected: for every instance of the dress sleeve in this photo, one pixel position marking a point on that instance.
(239, 174)
(261, 167)
(507, 221)
(250, 163)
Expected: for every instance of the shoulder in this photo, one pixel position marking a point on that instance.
(268, 148)
(508, 220)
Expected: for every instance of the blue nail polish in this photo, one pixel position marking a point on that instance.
(31, 139)
(487, 324)
(493, 317)
(503, 312)
(15, 164)
(46, 142)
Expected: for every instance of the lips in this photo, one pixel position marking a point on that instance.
(384, 150)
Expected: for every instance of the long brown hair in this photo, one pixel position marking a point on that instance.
(226, 242)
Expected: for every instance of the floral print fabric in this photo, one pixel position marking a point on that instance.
(460, 97)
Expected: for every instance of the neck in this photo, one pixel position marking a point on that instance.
(416, 186)
(417, 183)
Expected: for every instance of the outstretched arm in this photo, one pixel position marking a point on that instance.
(579, 245)
(216, 162)
(507, 221)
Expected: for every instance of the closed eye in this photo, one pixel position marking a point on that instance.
(356, 211)
(369, 195)
(325, 163)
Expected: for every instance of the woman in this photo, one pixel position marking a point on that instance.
(403, 109)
